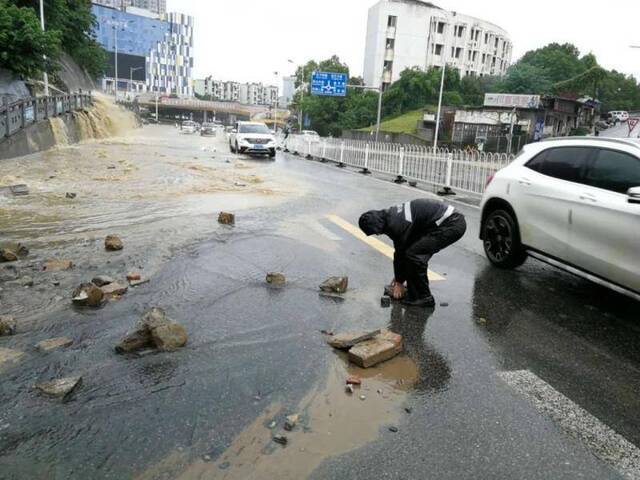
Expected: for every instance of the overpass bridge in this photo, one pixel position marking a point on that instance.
(202, 110)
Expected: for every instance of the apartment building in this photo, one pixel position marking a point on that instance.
(251, 93)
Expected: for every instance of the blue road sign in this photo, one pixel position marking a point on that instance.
(329, 84)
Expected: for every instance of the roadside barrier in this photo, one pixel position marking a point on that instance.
(18, 115)
(467, 171)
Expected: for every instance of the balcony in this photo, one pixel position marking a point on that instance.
(389, 54)
(391, 32)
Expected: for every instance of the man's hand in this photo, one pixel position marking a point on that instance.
(397, 290)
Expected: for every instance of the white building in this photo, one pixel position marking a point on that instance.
(407, 33)
(246, 93)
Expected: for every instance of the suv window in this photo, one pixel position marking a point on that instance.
(614, 171)
(564, 163)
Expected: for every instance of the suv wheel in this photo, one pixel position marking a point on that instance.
(502, 240)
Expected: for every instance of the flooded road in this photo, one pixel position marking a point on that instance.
(256, 353)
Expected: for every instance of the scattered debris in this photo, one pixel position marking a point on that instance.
(413, 183)
(154, 330)
(61, 387)
(70, 195)
(8, 325)
(349, 389)
(137, 283)
(393, 429)
(57, 265)
(384, 346)
(19, 190)
(53, 344)
(240, 184)
(385, 302)
(274, 278)
(7, 255)
(207, 458)
(112, 243)
(363, 397)
(281, 439)
(344, 341)
(291, 421)
(409, 410)
(226, 218)
(102, 280)
(481, 321)
(114, 289)
(329, 333)
(444, 304)
(335, 285)
(88, 295)
(132, 276)
(354, 381)
(273, 425)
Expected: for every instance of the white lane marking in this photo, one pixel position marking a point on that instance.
(598, 438)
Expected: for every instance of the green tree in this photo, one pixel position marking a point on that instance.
(525, 78)
(23, 45)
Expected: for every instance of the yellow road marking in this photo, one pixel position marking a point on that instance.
(382, 247)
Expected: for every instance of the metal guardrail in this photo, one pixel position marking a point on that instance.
(467, 171)
(18, 115)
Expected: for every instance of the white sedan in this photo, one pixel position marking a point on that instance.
(573, 203)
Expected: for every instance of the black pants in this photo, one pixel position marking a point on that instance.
(414, 262)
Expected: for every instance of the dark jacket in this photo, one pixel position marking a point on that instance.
(404, 224)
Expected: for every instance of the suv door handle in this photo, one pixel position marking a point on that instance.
(589, 197)
(524, 181)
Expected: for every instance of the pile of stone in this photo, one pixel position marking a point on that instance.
(95, 294)
(226, 218)
(154, 330)
(368, 348)
(12, 251)
(112, 243)
(334, 286)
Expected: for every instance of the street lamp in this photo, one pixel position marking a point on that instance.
(131, 70)
(46, 77)
(435, 137)
(275, 111)
(115, 26)
(303, 85)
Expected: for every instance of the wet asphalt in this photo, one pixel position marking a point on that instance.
(251, 346)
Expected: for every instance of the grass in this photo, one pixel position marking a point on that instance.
(405, 123)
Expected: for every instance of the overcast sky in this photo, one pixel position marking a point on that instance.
(248, 40)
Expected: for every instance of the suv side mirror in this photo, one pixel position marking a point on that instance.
(634, 195)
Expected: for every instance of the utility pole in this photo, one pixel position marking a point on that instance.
(46, 77)
(379, 115)
(435, 138)
(303, 85)
(511, 121)
(275, 111)
(115, 29)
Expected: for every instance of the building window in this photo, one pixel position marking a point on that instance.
(438, 49)
(486, 38)
(456, 52)
(459, 31)
(392, 21)
(475, 56)
(390, 43)
(388, 65)
(440, 28)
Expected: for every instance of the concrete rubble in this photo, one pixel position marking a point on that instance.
(291, 421)
(344, 341)
(53, 344)
(367, 349)
(335, 285)
(274, 278)
(12, 251)
(154, 330)
(8, 325)
(102, 280)
(57, 265)
(226, 218)
(112, 243)
(114, 289)
(88, 295)
(61, 387)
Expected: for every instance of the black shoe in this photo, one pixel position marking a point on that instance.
(425, 302)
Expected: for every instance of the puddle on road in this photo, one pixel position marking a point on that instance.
(332, 423)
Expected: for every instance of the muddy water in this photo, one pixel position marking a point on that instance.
(155, 188)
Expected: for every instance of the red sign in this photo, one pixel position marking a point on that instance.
(631, 123)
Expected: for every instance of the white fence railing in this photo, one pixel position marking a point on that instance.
(467, 171)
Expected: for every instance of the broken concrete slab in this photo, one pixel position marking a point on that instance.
(112, 243)
(8, 356)
(226, 218)
(169, 337)
(57, 265)
(53, 344)
(344, 341)
(60, 387)
(8, 325)
(382, 347)
(335, 285)
(114, 289)
(102, 280)
(88, 295)
(274, 278)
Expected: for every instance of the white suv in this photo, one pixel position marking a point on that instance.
(619, 116)
(252, 137)
(573, 203)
